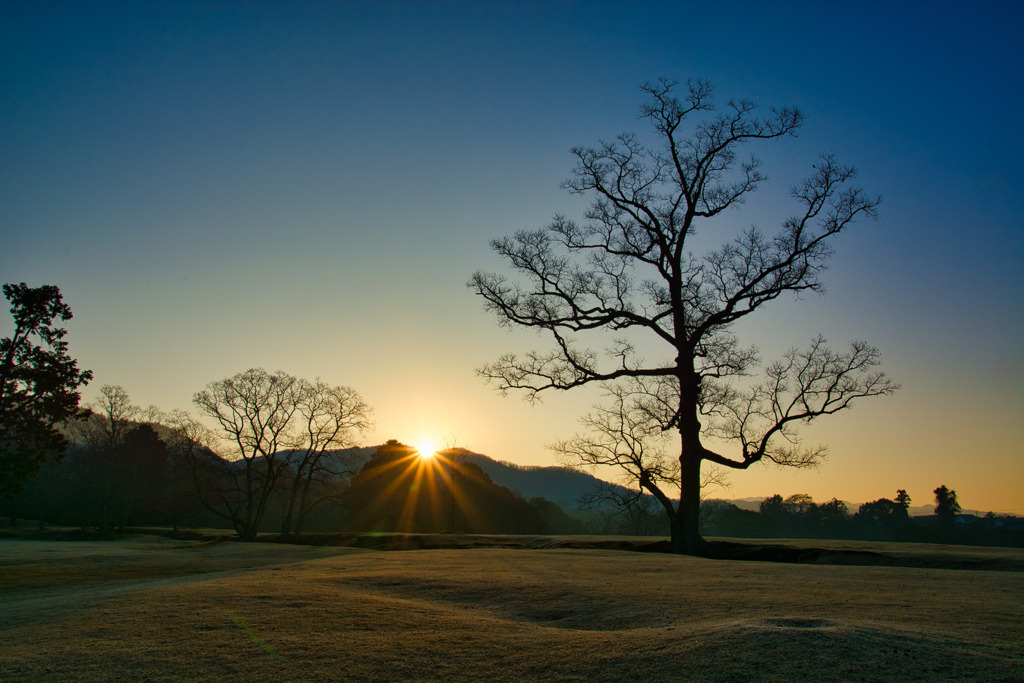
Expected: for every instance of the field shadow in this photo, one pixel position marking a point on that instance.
(825, 553)
(799, 648)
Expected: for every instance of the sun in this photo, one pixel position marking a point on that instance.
(426, 449)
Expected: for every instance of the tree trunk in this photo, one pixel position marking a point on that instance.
(288, 529)
(126, 510)
(686, 538)
(245, 530)
(303, 504)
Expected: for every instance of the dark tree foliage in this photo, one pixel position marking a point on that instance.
(722, 518)
(627, 275)
(946, 506)
(878, 519)
(903, 500)
(39, 384)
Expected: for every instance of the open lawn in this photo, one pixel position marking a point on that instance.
(150, 608)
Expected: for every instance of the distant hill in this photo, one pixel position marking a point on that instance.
(560, 485)
(397, 491)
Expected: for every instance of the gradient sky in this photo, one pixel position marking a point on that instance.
(307, 186)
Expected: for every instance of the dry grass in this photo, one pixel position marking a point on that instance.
(153, 609)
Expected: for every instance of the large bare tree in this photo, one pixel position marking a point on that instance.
(253, 411)
(627, 273)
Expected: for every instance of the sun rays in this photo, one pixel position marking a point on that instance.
(426, 448)
(421, 489)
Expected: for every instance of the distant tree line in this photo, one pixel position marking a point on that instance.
(798, 516)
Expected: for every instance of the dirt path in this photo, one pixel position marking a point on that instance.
(42, 605)
(43, 580)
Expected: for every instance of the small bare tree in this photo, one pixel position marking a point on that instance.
(628, 269)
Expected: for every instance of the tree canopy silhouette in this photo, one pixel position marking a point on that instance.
(946, 506)
(627, 274)
(39, 383)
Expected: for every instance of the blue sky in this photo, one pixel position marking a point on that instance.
(307, 186)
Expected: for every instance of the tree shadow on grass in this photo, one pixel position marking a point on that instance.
(878, 556)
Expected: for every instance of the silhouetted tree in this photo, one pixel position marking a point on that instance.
(800, 504)
(833, 519)
(205, 484)
(879, 518)
(144, 475)
(903, 500)
(882, 518)
(109, 418)
(777, 516)
(191, 459)
(721, 518)
(276, 430)
(628, 269)
(946, 506)
(253, 410)
(39, 384)
(327, 418)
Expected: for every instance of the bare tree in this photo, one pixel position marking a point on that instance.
(110, 417)
(110, 474)
(253, 410)
(327, 417)
(279, 433)
(628, 269)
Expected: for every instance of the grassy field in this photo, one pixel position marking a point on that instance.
(149, 608)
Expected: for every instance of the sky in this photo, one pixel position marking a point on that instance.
(307, 187)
